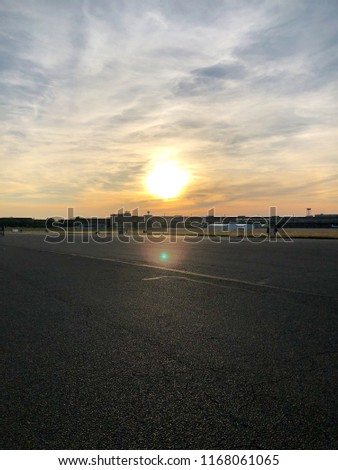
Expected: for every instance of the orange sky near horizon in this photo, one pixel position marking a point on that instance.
(241, 96)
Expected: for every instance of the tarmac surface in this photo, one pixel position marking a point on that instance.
(168, 345)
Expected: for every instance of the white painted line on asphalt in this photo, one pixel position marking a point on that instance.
(189, 273)
(200, 275)
(172, 270)
(184, 278)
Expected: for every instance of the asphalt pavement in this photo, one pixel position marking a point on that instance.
(168, 345)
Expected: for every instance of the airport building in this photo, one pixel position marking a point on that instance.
(128, 221)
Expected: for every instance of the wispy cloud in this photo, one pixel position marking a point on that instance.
(243, 94)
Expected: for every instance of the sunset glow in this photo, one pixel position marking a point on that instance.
(167, 180)
(242, 95)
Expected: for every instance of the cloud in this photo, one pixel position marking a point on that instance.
(93, 92)
(221, 71)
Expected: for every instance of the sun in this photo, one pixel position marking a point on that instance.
(167, 180)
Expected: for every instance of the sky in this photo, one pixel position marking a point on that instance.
(241, 95)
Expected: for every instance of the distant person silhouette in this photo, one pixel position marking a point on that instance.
(275, 231)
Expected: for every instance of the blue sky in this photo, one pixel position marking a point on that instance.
(241, 94)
